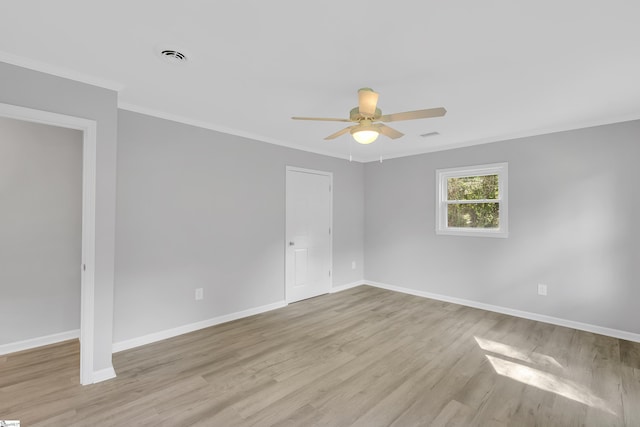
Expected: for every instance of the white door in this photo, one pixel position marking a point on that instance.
(308, 233)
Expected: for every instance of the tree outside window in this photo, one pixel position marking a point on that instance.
(473, 200)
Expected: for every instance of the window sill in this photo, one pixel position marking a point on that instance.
(501, 234)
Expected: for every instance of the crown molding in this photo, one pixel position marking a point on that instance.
(218, 128)
(511, 136)
(65, 73)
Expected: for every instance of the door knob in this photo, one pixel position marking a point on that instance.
(291, 243)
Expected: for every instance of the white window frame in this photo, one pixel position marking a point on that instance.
(442, 175)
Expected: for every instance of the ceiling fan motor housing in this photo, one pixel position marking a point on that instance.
(355, 116)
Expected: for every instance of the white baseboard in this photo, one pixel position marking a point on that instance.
(615, 333)
(38, 341)
(341, 288)
(170, 333)
(104, 374)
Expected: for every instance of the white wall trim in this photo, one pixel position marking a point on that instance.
(615, 333)
(174, 332)
(546, 130)
(224, 129)
(65, 73)
(39, 341)
(87, 267)
(341, 288)
(103, 374)
(443, 202)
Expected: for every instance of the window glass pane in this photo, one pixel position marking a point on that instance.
(472, 187)
(473, 215)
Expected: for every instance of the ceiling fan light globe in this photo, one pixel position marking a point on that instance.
(365, 136)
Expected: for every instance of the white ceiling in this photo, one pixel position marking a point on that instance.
(501, 68)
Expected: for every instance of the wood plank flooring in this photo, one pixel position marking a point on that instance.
(362, 357)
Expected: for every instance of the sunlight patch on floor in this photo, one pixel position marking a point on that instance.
(548, 382)
(515, 353)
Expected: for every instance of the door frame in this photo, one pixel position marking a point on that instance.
(286, 241)
(87, 263)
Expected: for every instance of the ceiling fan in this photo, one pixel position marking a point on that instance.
(367, 117)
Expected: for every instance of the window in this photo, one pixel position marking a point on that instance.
(472, 201)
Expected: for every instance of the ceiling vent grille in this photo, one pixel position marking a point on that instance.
(427, 135)
(173, 56)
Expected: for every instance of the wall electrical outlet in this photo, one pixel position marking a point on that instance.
(542, 289)
(199, 294)
(353, 265)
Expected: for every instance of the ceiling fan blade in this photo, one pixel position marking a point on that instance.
(389, 132)
(340, 132)
(322, 119)
(367, 102)
(412, 115)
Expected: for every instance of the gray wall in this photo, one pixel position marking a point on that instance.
(573, 225)
(199, 208)
(32, 89)
(40, 229)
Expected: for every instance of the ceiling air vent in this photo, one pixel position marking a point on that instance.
(173, 56)
(427, 135)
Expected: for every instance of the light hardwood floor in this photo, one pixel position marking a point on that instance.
(362, 357)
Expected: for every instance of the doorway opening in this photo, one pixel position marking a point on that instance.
(87, 262)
